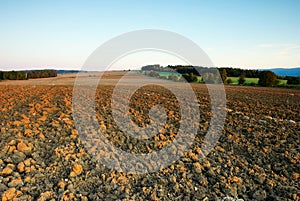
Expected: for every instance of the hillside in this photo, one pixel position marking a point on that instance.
(285, 71)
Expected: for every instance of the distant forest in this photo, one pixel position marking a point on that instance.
(24, 75)
(190, 72)
(231, 72)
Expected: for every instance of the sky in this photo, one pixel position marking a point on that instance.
(57, 34)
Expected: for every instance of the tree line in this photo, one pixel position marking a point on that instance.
(236, 72)
(210, 75)
(188, 69)
(24, 75)
(294, 80)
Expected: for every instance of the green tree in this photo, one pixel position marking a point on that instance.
(229, 81)
(292, 79)
(190, 77)
(153, 74)
(242, 79)
(224, 76)
(267, 78)
(12, 75)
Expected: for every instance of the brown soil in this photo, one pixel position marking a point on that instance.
(42, 157)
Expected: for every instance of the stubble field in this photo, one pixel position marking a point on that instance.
(43, 158)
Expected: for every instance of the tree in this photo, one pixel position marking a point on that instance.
(13, 75)
(292, 79)
(224, 76)
(41, 74)
(190, 77)
(209, 78)
(153, 74)
(242, 79)
(229, 81)
(172, 77)
(267, 78)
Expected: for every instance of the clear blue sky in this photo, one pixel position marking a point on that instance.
(62, 34)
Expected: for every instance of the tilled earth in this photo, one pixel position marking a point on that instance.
(256, 158)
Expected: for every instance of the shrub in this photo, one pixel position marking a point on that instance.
(242, 80)
(292, 79)
(153, 74)
(190, 77)
(229, 81)
(267, 78)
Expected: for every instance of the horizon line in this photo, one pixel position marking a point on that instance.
(124, 69)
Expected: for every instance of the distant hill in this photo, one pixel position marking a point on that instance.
(285, 71)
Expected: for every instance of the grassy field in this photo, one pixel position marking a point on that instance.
(166, 74)
(254, 80)
(282, 82)
(249, 81)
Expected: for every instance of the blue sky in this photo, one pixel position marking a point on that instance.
(62, 34)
